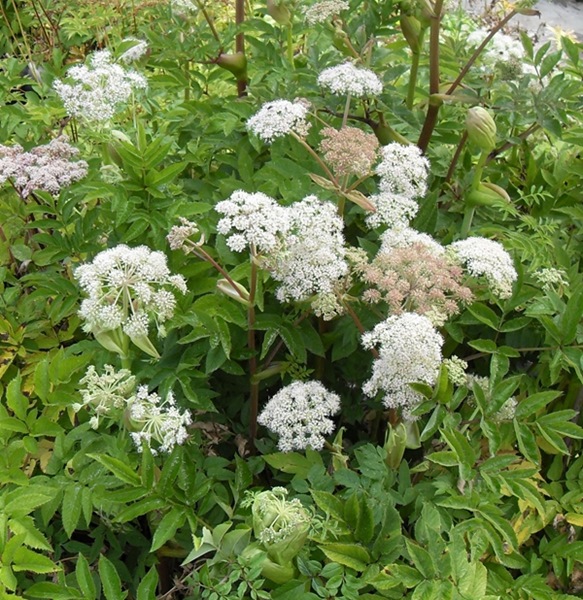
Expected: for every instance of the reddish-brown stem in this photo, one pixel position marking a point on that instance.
(251, 344)
(359, 325)
(240, 44)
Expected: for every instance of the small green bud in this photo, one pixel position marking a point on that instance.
(279, 12)
(240, 293)
(282, 526)
(411, 28)
(234, 63)
(481, 128)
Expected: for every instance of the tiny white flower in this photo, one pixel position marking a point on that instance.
(402, 237)
(403, 170)
(409, 351)
(278, 118)
(486, 258)
(394, 210)
(347, 79)
(300, 415)
(324, 9)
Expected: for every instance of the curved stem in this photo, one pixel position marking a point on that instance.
(316, 157)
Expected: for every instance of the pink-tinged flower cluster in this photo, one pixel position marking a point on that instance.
(349, 151)
(48, 168)
(414, 279)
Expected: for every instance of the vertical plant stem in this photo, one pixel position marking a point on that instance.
(22, 31)
(240, 44)
(456, 157)
(251, 344)
(209, 20)
(433, 109)
(290, 45)
(42, 25)
(471, 209)
(413, 79)
(346, 111)
(7, 21)
(316, 157)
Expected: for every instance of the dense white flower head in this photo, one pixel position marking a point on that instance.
(137, 49)
(394, 210)
(127, 287)
(403, 170)
(347, 79)
(254, 220)
(184, 5)
(402, 237)
(100, 89)
(157, 420)
(299, 414)
(502, 48)
(324, 9)
(311, 257)
(106, 393)
(278, 118)
(486, 258)
(48, 168)
(409, 351)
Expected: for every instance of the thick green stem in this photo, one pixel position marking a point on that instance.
(413, 80)
(290, 46)
(251, 344)
(470, 208)
(346, 111)
(317, 158)
(240, 44)
(433, 109)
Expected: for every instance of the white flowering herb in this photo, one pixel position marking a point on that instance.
(278, 118)
(403, 170)
(157, 420)
(456, 369)
(310, 259)
(126, 289)
(502, 51)
(402, 237)
(409, 350)
(100, 89)
(486, 258)
(393, 210)
(48, 168)
(299, 414)
(348, 79)
(252, 220)
(105, 394)
(323, 10)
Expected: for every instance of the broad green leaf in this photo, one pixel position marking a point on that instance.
(167, 527)
(51, 591)
(328, 503)
(485, 315)
(16, 400)
(140, 508)
(473, 582)
(25, 559)
(421, 559)
(110, 580)
(84, 578)
(527, 442)
(534, 403)
(71, 508)
(148, 585)
(42, 383)
(120, 469)
(350, 555)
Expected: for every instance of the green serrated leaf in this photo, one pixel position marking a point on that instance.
(167, 527)
(110, 580)
(84, 578)
(120, 469)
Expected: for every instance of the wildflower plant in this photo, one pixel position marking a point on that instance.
(127, 288)
(376, 361)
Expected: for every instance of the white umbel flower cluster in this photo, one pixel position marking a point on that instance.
(403, 237)
(393, 210)
(252, 220)
(127, 287)
(502, 49)
(157, 420)
(278, 118)
(311, 258)
(48, 168)
(403, 173)
(300, 415)
(486, 258)
(403, 170)
(348, 79)
(105, 394)
(324, 9)
(100, 88)
(409, 351)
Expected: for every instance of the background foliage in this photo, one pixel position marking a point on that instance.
(461, 505)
